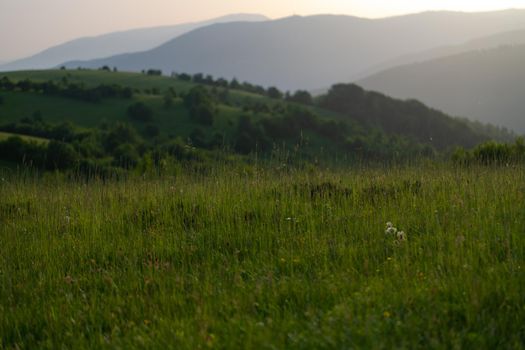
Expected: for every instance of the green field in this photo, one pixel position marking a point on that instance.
(93, 78)
(270, 258)
(6, 135)
(171, 121)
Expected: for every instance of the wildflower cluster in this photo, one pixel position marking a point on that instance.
(392, 231)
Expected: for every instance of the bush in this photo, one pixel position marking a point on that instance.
(203, 114)
(492, 153)
(302, 97)
(60, 155)
(273, 92)
(140, 112)
(121, 133)
(126, 156)
(15, 149)
(151, 130)
(184, 77)
(64, 132)
(250, 138)
(200, 104)
(198, 138)
(168, 101)
(155, 72)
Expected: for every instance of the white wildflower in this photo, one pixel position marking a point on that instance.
(390, 229)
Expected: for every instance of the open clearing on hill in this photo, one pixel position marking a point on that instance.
(6, 135)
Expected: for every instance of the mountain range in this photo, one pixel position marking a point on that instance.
(466, 64)
(310, 52)
(115, 43)
(514, 37)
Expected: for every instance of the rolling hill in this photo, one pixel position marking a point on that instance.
(484, 85)
(309, 52)
(115, 43)
(346, 118)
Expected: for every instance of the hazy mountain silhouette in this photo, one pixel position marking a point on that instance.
(515, 37)
(485, 85)
(310, 52)
(115, 43)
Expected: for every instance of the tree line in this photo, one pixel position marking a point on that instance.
(67, 89)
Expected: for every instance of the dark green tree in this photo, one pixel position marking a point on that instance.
(301, 96)
(151, 130)
(201, 105)
(126, 156)
(155, 72)
(60, 155)
(119, 134)
(140, 112)
(168, 101)
(275, 93)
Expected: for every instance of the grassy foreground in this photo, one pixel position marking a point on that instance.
(269, 259)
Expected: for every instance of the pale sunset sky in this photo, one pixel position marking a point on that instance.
(29, 26)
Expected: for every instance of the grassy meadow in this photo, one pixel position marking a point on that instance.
(265, 258)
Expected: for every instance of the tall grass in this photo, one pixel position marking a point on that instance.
(265, 259)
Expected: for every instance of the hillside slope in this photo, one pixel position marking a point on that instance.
(309, 52)
(115, 43)
(484, 85)
(346, 119)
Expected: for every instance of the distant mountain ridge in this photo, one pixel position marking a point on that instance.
(516, 37)
(115, 43)
(484, 85)
(310, 52)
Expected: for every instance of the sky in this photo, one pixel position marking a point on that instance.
(29, 26)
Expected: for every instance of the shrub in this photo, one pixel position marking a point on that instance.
(302, 97)
(119, 134)
(200, 104)
(140, 112)
(151, 130)
(60, 155)
(273, 92)
(155, 72)
(203, 114)
(126, 156)
(492, 153)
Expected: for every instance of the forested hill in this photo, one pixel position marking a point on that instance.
(110, 119)
(409, 118)
(485, 85)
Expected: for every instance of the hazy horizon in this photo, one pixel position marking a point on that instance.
(30, 26)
